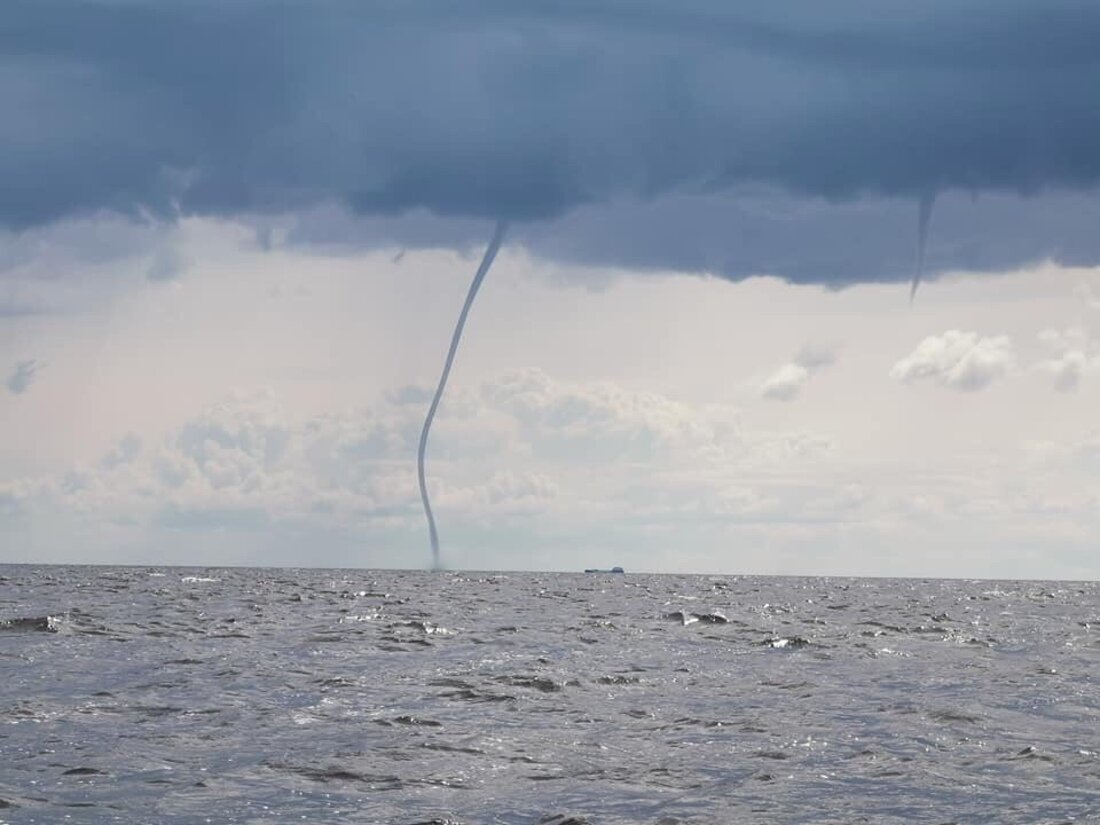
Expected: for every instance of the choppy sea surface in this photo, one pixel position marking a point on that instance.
(169, 695)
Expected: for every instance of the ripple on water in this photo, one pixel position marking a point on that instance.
(406, 697)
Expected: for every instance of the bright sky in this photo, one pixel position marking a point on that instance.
(234, 239)
(262, 407)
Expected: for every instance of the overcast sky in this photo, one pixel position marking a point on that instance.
(235, 236)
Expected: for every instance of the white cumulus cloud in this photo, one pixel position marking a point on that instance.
(960, 360)
(788, 381)
(1073, 355)
(785, 383)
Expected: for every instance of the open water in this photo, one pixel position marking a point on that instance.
(144, 695)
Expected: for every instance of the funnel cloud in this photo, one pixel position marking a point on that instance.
(456, 338)
(924, 216)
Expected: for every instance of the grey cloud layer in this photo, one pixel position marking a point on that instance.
(535, 111)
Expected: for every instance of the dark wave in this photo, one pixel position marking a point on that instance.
(33, 624)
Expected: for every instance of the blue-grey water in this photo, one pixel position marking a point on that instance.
(143, 695)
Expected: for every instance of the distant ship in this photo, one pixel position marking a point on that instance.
(598, 570)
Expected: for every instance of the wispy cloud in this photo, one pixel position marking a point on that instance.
(24, 376)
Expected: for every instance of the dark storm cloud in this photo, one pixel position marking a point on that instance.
(742, 233)
(537, 111)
